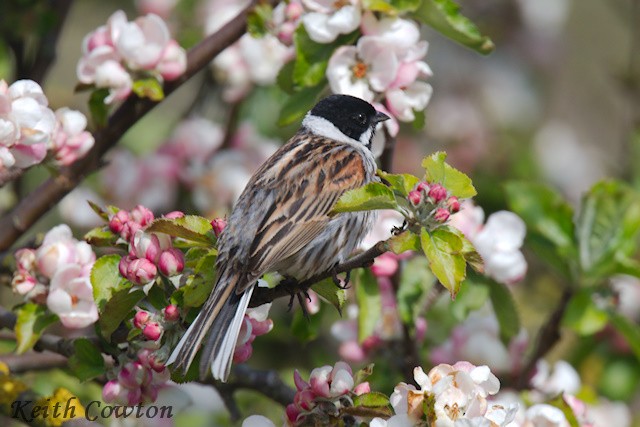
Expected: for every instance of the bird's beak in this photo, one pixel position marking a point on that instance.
(380, 117)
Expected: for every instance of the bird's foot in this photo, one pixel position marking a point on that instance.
(296, 291)
(338, 282)
(397, 230)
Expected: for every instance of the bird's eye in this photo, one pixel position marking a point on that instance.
(361, 118)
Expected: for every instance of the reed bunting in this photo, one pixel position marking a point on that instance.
(281, 223)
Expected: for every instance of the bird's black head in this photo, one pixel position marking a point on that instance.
(353, 117)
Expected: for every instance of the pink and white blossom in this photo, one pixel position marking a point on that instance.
(71, 297)
(70, 141)
(327, 19)
(59, 249)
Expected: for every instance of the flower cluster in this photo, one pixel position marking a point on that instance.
(29, 129)
(324, 393)
(449, 393)
(498, 241)
(152, 325)
(58, 273)
(118, 53)
(433, 205)
(137, 381)
(386, 63)
(149, 253)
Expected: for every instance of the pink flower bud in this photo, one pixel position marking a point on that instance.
(293, 11)
(152, 331)
(423, 187)
(118, 221)
(362, 388)
(129, 230)
(299, 382)
(415, 197)
(242, 353)
(149, 393)
(23, 283)
(149, 359)
(123, 265)
(441, 215)
(437, 192)
(133, 375)
(111, 391)
(292, 413)
(26, 259)
(218, 225)
(141, 215)
(141, 318)
(453, 204)
(171, 262)
(146, 245)
(174, 215)
(171, 313)
(141, 271)
(385, 265)
(304, 399)
(319, 381)
(133, 397)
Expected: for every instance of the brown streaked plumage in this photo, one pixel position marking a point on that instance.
(281, 222)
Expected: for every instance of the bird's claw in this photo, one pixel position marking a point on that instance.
(397, 230)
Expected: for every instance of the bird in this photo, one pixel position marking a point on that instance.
(282, 223)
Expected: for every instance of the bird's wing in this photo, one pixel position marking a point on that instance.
(304, 180)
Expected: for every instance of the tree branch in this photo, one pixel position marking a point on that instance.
(265, 295)
(36, 204)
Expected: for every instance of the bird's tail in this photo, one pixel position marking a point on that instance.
(217, 326)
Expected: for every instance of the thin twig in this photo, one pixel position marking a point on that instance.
(30, 209)
(33, 361)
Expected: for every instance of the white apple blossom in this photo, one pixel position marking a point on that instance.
(498, 242)
(71, 141)
(71, 297)
(563, 379)
(628, 290)
(60, 249)
(257, 421)
(544, 415)
(113, 53)
(26, 124)
(327, 19)
(403, 102)
(460, 395)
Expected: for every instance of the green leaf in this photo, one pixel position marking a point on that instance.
(583, 316)
(86, 362)
(471, 256)
(372, 399)
(405, 241)
(98, 109)
(190, 227)
(298, 104)
(331, 293)
(629, 330)
(372, 196)
(607, 227)
(369, 303)
(148, 88)
(105, 278)
(391, 7)
(98, 210)
(419, 121)
(472, 296)
(403, 183)
(444, 252)
(452, 179)
(305, 330)
(285, 78)
(415, 282)
(505, 308)
(31, 321)
(118, 308)
(100, 236)
(444, 16)
(545, 212)
(566, 409)
(258, 20)
(363, 374)
(199, 286)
